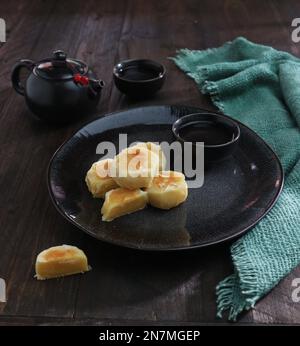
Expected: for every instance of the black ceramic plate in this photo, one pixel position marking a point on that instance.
(236, 193)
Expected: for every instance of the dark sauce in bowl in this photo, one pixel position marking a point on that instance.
(210, 133)
(138, 73)
(139, 78)
(219, 133)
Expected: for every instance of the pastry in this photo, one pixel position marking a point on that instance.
(98, 180)
(122, 201)
(60, 261)
(167, 190)
(157, 150)
(135, 167)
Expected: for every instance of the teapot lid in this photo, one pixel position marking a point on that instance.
(59, 67)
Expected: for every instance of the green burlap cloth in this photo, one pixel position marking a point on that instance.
(259, 86)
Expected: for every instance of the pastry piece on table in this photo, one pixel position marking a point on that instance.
(135, 167)
(167, 190)
(60, 261)
(98, 179)
(122, 201)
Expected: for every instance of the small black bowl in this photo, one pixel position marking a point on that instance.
(139, 78)
(219, 133)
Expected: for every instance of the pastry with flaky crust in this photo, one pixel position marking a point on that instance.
(98, 180)
(60, 261)
(167, 190)
(135, 167)
(122, 201)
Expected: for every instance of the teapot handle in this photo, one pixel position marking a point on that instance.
(15, 76)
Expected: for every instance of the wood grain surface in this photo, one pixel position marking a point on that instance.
(125, 286)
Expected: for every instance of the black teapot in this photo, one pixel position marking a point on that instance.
(58, 89)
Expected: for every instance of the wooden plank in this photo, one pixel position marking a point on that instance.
(27, 150)
(145, 293)
(124, 286)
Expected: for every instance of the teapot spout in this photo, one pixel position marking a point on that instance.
(95, 86)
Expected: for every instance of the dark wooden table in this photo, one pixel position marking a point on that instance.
(125, 286)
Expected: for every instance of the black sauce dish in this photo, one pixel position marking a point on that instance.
(219, 133)
(139, 78)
